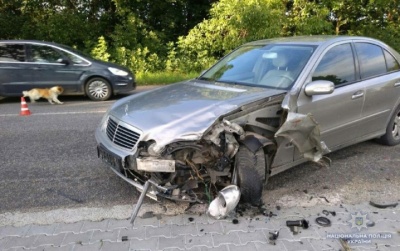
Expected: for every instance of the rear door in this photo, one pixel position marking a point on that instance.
(15, 72)
(380, 73)
(339, 113)
(52, 68)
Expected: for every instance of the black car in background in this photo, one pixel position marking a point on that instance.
(27, 64)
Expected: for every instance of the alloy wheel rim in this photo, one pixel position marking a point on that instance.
(98, 89)
(396, 127)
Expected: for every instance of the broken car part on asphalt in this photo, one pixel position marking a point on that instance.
(294, 225)
(225, 202)
(323, 221)
(273, 236)
(266, 107)
(327, 213)
(383, 205)
(298, 223)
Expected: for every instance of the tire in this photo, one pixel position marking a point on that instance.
(392, 135)
(251, 174)
(98, 89)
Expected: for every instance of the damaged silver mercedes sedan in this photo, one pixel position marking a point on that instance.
(267, 106)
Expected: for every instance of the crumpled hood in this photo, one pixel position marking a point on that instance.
(183, 111)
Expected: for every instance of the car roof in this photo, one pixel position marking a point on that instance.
(18, 41)
(309, 40)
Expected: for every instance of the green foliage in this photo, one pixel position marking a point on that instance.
(306, 17)
(231, 24)
(100, 51)
(179, 36)
(163, 77)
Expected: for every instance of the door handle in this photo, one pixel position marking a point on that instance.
(358, 94)
(396, 84)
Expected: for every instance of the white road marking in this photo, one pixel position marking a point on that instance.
(53, 113)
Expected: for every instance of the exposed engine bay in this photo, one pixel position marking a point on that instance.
(182, 167)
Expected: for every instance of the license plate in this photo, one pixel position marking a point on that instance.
(114, 160)
(156, 165)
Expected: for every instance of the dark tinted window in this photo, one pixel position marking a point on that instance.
(45, 54)
(75, 59)
(391, 62)
(12, 53)
(371, 59)
(337, 65)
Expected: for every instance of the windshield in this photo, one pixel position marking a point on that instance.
(273, 66)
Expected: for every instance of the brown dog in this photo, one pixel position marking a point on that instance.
(50, 94)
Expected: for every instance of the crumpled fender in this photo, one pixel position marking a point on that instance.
(254, 141)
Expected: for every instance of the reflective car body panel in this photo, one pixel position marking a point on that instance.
(184, 110)
(255, 98)
(27, 64)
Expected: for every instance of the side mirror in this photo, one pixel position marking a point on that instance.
(319, 87)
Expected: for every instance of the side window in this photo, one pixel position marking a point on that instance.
(45, 54)
(371, 60)
(391, 62)
(12, 53)
(75, 59)
(337, 65)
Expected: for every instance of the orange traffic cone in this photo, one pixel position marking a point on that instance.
(24, 108)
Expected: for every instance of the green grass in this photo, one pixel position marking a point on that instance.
(162, 78)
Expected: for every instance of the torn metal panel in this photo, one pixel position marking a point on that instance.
(303, 131)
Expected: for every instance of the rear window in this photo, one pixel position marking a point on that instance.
(12, 53)
(371, 59)
(391, 62)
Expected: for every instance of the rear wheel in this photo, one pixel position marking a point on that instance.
(392, 135)
(98, 89)
(251, 174)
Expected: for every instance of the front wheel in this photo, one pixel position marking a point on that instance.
(251, 174)
(392, 135)
(98, 89)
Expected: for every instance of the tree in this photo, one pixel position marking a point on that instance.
(305, 17)
(231, 23)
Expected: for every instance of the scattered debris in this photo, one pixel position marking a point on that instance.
(294, 225)
(345, 245)
(327, 213)
(269, 213)
(298, 223)
(273, 236)
(323, 197)
(323, 221)
(225, 202)
(381, 205)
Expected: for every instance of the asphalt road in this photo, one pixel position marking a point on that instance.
(49, 161)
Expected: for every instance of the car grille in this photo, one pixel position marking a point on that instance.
(121, 135)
